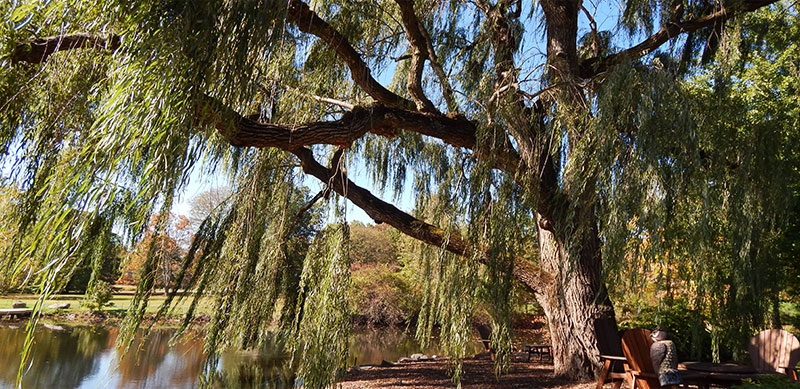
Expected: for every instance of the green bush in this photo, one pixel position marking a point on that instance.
(99, 295)
(685, 326)
(379, 295)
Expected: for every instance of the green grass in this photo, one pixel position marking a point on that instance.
(119, 303)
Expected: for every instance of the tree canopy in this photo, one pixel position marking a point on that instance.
(654, 134)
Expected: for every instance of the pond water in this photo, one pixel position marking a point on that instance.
(85, 357)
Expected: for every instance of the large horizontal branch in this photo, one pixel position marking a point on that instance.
(383, 212)
(307, 21)
(37, 50)
(593, 66)
(243, 131)
(378, 119)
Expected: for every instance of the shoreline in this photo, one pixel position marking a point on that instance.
(110, 318)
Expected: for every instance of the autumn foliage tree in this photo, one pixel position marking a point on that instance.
(168, 248)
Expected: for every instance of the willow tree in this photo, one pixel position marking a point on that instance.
(516, 120)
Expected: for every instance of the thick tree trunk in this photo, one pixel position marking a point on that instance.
(576, 303)
(575, 300)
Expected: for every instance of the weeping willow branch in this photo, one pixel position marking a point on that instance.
(37, 50)
(378, 119)
(382, 212)
(594, 66)
(419, 48)
(307, 21)
(382, 120)
(455, 130)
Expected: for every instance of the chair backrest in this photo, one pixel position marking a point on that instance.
(771, 349)
(636, 347)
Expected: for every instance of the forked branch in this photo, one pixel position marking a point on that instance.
(307, 21)
(419, 53)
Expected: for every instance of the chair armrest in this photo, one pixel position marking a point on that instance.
(613, 357)
(642, 374)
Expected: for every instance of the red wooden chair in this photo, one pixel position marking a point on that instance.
(636, 347)
(775, 352)
(639, 371)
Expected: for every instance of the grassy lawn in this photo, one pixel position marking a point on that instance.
(120, 302)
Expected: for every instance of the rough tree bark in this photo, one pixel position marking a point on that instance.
(579, 312)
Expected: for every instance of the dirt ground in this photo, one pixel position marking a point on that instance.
(478, 373)
(478, 370)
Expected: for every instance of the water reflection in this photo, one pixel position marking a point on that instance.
(85, 357)
(373, 346)
(75, 351)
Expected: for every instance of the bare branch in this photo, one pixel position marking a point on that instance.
(333, 101)
(321, 99)
(447, 90)
(307, 21)
(593, 27)
(594, 66)
(423, 39)
(299, 216)
(393, 58)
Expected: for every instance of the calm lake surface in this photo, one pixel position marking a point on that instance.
(85, 357)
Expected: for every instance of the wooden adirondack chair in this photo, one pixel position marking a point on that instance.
(639, 371)
(636, 347)
(614, 363)
(775, 352)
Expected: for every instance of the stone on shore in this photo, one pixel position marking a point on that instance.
(18, 304)
(58, 306)
(54, 327)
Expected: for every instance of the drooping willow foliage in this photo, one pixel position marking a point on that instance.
(717, 178)
(687, 161)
